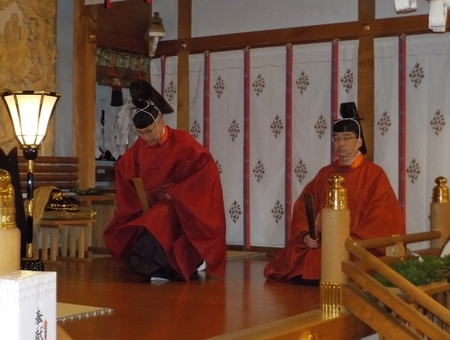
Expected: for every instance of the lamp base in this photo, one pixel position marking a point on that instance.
(29, 263)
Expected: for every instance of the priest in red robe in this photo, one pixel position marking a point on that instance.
(374, 208)
(185, 223)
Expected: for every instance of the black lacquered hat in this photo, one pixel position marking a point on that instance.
(149, 103)
(350, 122)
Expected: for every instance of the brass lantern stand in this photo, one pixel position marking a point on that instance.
(30, 112)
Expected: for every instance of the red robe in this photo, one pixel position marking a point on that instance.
(374, 212)
(191, 224)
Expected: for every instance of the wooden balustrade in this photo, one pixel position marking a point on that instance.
(406, 312)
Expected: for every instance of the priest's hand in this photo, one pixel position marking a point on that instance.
(310, 242)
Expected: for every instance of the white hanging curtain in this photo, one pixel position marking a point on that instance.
(227, 134)
(348, 72)
(427, 131)
(267, 145)
(386, 110)
(425, 75)
(163, 77)
(155, 73)
(170, 88)
(311, 97)
(196, 76)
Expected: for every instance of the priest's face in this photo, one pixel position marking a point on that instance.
(153, 133)
(346, 145)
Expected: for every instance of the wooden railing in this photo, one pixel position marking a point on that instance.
(60, 172)
(405, 312)
(63, 173)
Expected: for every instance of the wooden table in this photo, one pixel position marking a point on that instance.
(67, 229)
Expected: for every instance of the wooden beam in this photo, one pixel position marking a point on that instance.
(298, 35)
(278, 37)
(402, 25)
(366, 14)
(371, 313)
(183, 91)
(184, 32)
(310, 325)
(84, 92)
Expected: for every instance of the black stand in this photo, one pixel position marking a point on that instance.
(30, 263)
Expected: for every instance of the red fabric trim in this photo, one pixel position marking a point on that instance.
(107, 4)
(206, 100)
(163, 74)
(288, 162)
(402, 123)
(247, 148)
(334, 86)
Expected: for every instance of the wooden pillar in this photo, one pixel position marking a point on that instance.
(84, 89)
(366, 17)
(184, 32)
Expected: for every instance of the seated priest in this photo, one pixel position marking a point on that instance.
(184, 226)
(374, 209)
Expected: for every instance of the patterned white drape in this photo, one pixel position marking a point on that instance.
(427, 112)
(312, 110)
(311, 98)
(155, 74)
(311, 121)
(227, 134)
(196, 75)
(163, 76)
(428, 61)
(311, 126)
(386, 120)
(348, 72)
(267, 145)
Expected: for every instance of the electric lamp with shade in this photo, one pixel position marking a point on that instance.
(30, 112)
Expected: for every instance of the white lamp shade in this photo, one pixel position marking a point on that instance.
(30, 113)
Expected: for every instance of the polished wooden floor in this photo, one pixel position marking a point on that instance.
(200, 309)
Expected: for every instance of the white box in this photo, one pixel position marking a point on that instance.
(28, 305)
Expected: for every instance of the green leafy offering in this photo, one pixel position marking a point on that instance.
(431, 269)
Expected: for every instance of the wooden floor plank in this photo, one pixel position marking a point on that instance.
(203, 308)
